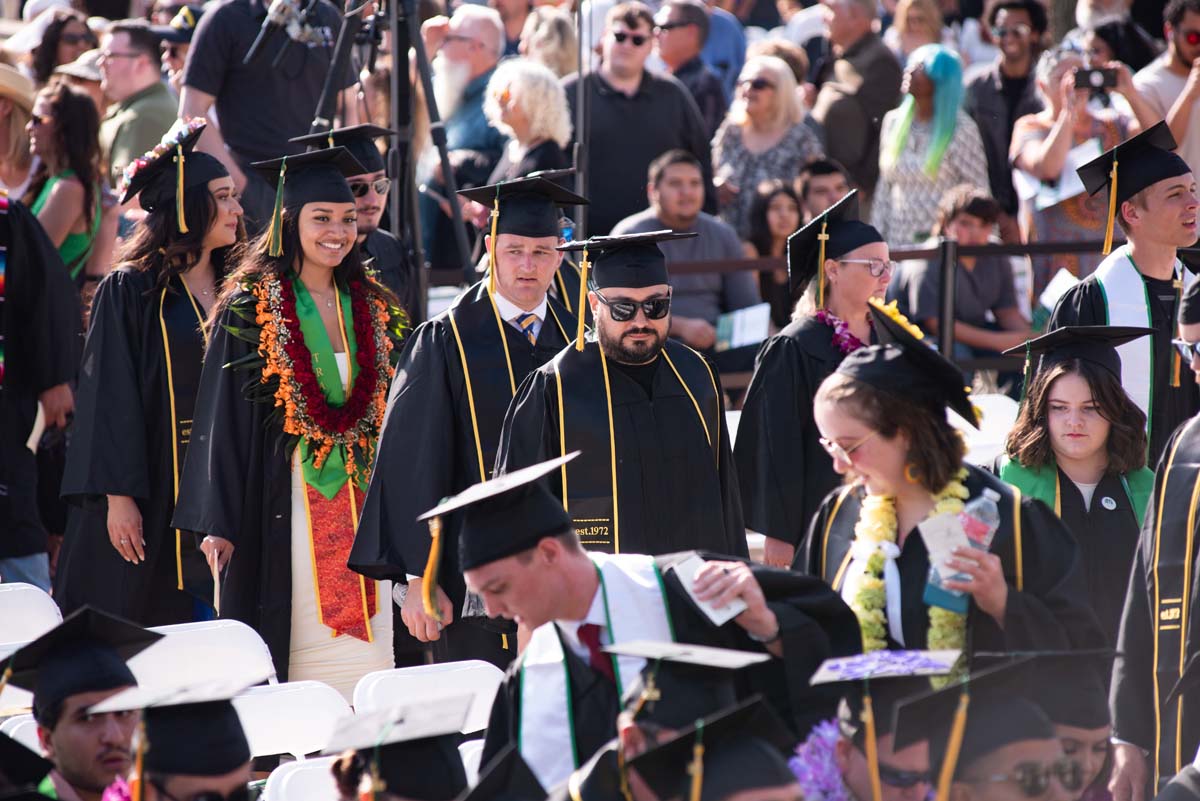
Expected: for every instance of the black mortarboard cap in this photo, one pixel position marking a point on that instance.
(20, 766)
(318, 176)
(527, 206)
(1138, 162)
(358, 139)
(844, 231)
(182, 25)
(506, 778)
(1069, 686)
(157, 177)
(1189, 309)
(903, 365)
(503, 516)
(742, 748)
(632, 261)
(85, 653)
(1094, 343)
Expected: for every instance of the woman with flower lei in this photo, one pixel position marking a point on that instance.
(882, 416)
(782, 470)
(291, 401)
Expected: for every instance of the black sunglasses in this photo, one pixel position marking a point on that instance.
(1187, 350)
(638, 39)
(623, 311)
(1034, 779)
(240, 794)
(903, 779)
(382, 185)
(1020, 29)
(757, 84)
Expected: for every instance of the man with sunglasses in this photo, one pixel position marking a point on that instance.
(680, 32)
(1171, 83)
(382, 251)
(656, 474)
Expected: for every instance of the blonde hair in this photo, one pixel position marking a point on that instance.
(18, 137)
(537, 92)
(549, 37)
(788, 110)
(928, 9)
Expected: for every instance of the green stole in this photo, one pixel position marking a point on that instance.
(1042, 483)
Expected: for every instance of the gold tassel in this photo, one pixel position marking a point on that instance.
(329, 139)
(822, 238)
(183, 229)
(868, 719)
(697, 766)
(430, 581)
(1112, 207)
(950, 761)
(584, 264)
(275, 231)
(623, 772)
(1175, 373)
(495, 244)
(5, 676)
(137, 786)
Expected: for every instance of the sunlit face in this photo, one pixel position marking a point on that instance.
(822, 191)
(90, 750)
(635, 341)
(174, 54)
(851, 281)
(371, 203)
(969, 229)
(916, 83)
(120, 65)
(758, 89)
(783, 216)
(1088, 747)
(225, 227)
(1005, 761)
(878, 460)
(913, 761)
(1178, 37)
(522, 588)
(1077, 428)
(1097, 50)
(74, 40)
(43, 130)
(679, 194)
(327, 232)
(625, 49)
(525, 266)
(1168, 213)
(1013, 33)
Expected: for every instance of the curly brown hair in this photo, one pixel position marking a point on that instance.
(935, 449)
(1029, 441)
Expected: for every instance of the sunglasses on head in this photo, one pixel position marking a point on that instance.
(1034, 779)
(757, 84)
(623, 311)
(381, 186)
(1020, 29)
(638, 39)
(1187, 350)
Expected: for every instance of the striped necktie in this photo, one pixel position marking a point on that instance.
(526, 322)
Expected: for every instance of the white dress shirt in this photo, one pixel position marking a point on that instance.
(509, 312)
(570, 628)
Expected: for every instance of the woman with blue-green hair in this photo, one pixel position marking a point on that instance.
(927, 146)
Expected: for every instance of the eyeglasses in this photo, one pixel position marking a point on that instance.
(109, 55)
(835, 449)
(1034, 778)
(240, 794)
(1020, 29)
(756, 84)
(380, 185)
(637, 39)
(903, 779)
(1191, 37)
(670, 26)
(877, 267)
(39, 120)
(72, 39)
(1187, 350)
(458, 37)
(623, 311)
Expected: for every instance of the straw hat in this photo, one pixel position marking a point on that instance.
(16, 87)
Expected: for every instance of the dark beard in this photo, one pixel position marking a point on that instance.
(632, 352)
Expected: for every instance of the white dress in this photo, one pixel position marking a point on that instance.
(315, 653)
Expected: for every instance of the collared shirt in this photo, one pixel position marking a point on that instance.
(136, 125)
(595, 614)
(509, 312)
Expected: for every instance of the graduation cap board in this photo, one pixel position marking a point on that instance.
(743, 747)
(161, 175)
(830, 235)
(318, 176)
(1093, 343)
(631, 261)
(358, 139)
(1071, 687)
(87, 652)
(506, 778)
(502, 516)
(1144, 160)
(905, 366)
(412, 750)
(879, 666)
(20, 766)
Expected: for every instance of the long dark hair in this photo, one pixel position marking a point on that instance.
(74, 113)
(1029, 440)
(157, 243)
(45, 55)
(760, 229)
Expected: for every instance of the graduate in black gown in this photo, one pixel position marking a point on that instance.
(1140, 284)
(456, 377)
(382, 251)
(137, 393)
(560, 698)
(883, 418)
(282, 425)
(1079, 446)
(782, 469)
(656, 472)
(39, 354)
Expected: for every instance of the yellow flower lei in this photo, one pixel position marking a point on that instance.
(876, 525)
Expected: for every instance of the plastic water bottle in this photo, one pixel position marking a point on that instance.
(981, 519)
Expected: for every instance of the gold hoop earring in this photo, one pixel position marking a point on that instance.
(910, 473)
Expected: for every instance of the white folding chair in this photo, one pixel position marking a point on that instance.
(471, 752)
(309, 780)
(201, 652)
(987, 442)
(13, 700)
(23, 729)
(387, 688)
(26, 612)
(295, 718)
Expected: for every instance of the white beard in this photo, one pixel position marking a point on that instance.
(450, 78)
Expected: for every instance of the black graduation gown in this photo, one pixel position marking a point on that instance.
(426, 448)
(673, 495)
(395, 270)
(1049, 613)
(1083, 304)
(783, 471)
(39, 326)
(1185, 786)
(122, 444)
(814, 625)
(1160, 606)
